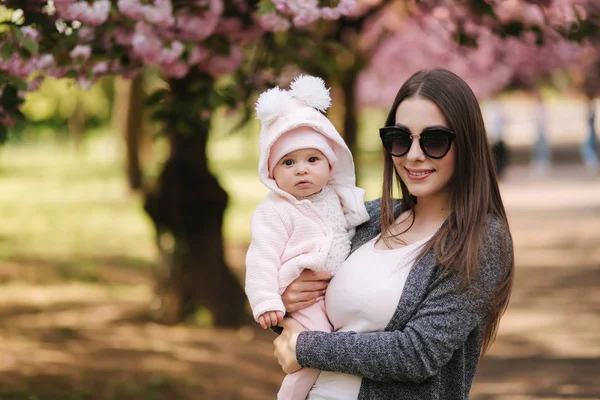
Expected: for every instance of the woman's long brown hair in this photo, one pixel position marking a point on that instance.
(475, 193)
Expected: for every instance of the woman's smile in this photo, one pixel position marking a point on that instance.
(419, 174)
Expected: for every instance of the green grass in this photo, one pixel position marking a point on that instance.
(73, 213)
(68, 212)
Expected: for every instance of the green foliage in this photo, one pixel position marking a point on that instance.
(57, 100)
(9, 103)
(582, 29)
(187, 106)
(265, 7)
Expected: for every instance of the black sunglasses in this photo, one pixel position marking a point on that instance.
(435, 142)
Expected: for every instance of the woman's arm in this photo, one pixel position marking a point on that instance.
(306, 290)
(440, 325)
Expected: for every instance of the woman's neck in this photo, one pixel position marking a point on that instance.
(433, 209)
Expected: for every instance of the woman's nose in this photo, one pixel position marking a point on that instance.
(415, 153)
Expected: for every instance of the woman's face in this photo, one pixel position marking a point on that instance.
(424, 177)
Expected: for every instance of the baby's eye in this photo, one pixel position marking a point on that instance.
(313, 159)
(288, 162)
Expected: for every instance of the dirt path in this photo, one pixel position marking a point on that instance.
(549, 342)
(92, 342)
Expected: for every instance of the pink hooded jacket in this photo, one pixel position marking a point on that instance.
(289, 235)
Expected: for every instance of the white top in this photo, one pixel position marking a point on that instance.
(329, 207)
(363, 297)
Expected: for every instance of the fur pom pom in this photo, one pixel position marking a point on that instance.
(311, 91)
(272, 103)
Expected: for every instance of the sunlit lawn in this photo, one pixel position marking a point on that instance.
(71, 216)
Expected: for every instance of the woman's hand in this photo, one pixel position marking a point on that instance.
(306, 290)
(285, 345)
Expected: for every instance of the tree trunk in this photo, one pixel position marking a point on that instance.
(187, 209)
(128, 119)
(350, 125)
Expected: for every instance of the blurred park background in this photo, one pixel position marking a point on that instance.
(128, 178)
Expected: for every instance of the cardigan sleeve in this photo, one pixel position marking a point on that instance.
(439, 326)
(263, 261)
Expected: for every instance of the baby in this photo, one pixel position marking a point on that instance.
(308, 218)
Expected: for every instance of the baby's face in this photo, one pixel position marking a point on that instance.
(302, 173)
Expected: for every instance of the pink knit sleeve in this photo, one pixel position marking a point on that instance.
(263, 260)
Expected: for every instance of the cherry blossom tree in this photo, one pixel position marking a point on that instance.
(493, 44)
(193, 43)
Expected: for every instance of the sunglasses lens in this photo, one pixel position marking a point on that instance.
(397, 143)
(436, 143)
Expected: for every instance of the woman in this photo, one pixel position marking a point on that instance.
(421, 295)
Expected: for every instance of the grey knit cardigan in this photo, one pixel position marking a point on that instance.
(431, 347)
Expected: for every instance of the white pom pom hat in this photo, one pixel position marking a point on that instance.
(301, 109)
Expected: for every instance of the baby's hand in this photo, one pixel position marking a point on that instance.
(270, 318)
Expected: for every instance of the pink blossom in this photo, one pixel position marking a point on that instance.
(145, 44)
(281, 6)
(81, 52)
(84, 83)
(347, 7)
(304, 11)
(199, 26)
(251, 34)
(30, 32)
(94, 14)
(233, 30)
(229, 26)
(170, 55)
(5, 119)
(100, 68)
(206, 114)
(274, 22)
(129, 73)
(344, 7)
(330, 13)
(562, 13)
(35, 83)
(159, 14)
(131, 8)
(123, 36)
(44, 62)
(197, 55)
(86, 34)
(17, 67)
(220, 64)
(57, 72)
(241, 5)
(175, 70)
